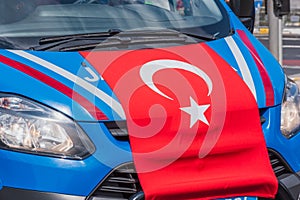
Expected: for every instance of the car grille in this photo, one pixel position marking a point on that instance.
(278, 164)
(121, 184)
(119, 131)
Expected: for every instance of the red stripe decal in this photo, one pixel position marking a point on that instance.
(269, 91)
(92, 109)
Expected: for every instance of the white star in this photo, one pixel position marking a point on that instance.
(196, 111)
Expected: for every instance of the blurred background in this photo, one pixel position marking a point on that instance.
(290, 25)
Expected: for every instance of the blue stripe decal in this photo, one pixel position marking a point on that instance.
(221, 47)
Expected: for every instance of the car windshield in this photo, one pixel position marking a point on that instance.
(24, 22)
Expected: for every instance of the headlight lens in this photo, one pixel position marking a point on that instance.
(30, 127)
(290, 118)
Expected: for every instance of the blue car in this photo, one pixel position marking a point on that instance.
(142, 99)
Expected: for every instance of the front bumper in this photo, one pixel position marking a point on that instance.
(289, 186)
(16, 194)
(120, 184)
(289, 181)
(19, 194)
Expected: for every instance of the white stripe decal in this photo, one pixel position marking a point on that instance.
(116, 106)
(242, 64)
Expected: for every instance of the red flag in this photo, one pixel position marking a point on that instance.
(194, 125)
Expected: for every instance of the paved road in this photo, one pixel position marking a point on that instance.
(292, 71)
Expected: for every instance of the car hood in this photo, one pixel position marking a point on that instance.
(186, 109)
(82, 85)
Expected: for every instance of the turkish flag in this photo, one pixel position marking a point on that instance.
(194, 124)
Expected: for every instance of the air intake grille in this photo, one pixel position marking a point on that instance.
(278, 164)
(118, 129)
(121, 184)
(261, 114)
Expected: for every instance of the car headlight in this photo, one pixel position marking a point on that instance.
(31, 127)
(290, 110)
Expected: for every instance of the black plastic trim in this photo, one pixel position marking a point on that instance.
(282, 160)
(8, 193)
(138, 196)
(288, 180)
(289, 187)
(130, 194)
(118, 129)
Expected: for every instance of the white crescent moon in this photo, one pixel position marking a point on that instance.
(150, 68)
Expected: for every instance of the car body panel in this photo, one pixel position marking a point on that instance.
(50, 174)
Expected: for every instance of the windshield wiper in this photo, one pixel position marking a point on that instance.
(109, 33)
(125, 42)
(117, 39)
(51, 42)
(143, 37)
(206, 37)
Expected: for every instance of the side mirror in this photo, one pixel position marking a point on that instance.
(281, 7)
(245, 10)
